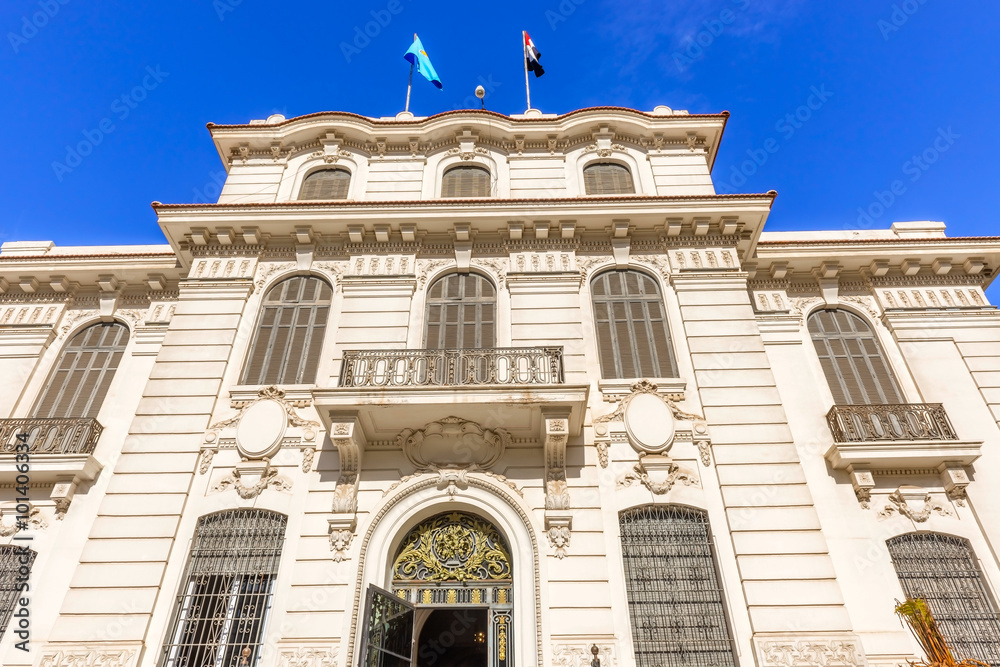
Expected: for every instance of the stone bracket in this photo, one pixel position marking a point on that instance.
(341, 526)
(348, 437)
(555, 434)
(558, 524)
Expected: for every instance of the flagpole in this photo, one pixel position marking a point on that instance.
(409, 85)
(524, 53)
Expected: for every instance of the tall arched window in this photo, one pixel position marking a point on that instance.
(461, 313)
(675, 598)
(326, 184)
(632, 333)
(853, 361)
(15, 568)
(286, 348)
(466, 181)
(225, 595)
(607, 178)
(86, 367)
(944, 571)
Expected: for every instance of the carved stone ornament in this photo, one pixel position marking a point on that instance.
(915, 504)
(308, 455)
(307, 656)
(205, 460)
(268, 269)
(453, 441)
(35, 521)
(820, 651)
(453, 479)
(89, 658)
(261, 423)
(268, 477)
(559, 537)
(580, 654)
(658, 474)
(604, 152)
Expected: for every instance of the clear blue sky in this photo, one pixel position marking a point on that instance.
(892, 78)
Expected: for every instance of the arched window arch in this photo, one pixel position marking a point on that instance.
(466, 181)
(82, 375)
(326, 184)
(631, 321)
(225, 594)
(15, 567)
(944, 571)
(853, 361)
(461, 312)
(675, 598)
(607, 178)
(289, 338)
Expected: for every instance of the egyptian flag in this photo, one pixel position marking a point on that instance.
(532, 55)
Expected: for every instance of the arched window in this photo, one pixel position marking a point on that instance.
(80, 381)
(632, 333)
(289, 336)
(225, 595)
(607, 178)
(461, 313)
(467, 181)
(15, 568)
(675, 598)
(326, 184)
(855, 366)
(944, 571)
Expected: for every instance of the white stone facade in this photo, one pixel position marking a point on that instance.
(798, 520)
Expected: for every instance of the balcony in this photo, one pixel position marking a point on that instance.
(58, 449)
(897, 436)
(450, 368)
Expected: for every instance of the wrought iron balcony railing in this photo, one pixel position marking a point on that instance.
(51, 436)
(442, 368)
(907, 422)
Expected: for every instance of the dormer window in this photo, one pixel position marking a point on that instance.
(607, 178)
(326, 184)
(466, 182)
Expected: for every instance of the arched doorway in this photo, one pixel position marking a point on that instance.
(451, 598)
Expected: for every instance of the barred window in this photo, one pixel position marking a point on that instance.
(461, 313)
(632, 334)
(853, 361)
(15, 567)
(326, 184)
(607, 178)
(465, 182)
(674, 596)
(83, 374)
(225, 596)
(289, 339)
(944, 571)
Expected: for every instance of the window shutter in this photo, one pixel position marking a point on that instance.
(461, 312)
(633, 338)
(944, 571)
(288, 343)
(466, 182)
(83, 374)
(852, 359)
(607, 178)
(326, 184)
(675, 599)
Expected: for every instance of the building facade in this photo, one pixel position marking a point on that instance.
(475, 390)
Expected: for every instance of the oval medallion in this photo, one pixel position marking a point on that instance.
(261, 429)
(649, 424)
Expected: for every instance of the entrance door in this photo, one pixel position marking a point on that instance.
(388, 633)
(455, 637)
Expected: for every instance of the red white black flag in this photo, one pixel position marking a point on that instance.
(532, 55)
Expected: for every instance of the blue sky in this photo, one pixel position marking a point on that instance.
(834, 100)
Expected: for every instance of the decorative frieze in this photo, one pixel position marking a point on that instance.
(703, 259)
(87, 657)
(307, 656)
(932, 297)
(596, 653)
(819, 651)
(30, 315)
(223, 268)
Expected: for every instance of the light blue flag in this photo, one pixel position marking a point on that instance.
(417, 56)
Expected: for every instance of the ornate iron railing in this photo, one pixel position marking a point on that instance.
(51, 436)
(407, 368)
(909, 421)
